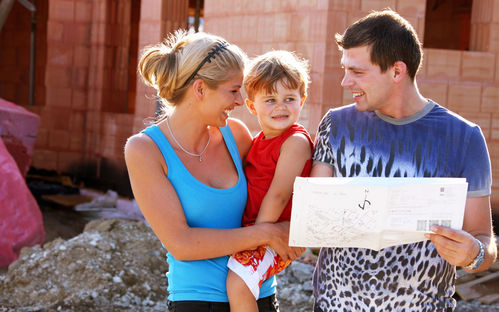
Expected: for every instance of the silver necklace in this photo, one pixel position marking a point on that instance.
(200, 155)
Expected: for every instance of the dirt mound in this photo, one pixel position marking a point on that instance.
(119, 265)
(114, 265)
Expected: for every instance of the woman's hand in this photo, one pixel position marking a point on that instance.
(278, 239)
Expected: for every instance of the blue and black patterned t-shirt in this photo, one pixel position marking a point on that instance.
(432, 143)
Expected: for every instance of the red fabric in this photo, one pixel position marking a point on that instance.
(260, 167)
(18, 130)
(21, 222)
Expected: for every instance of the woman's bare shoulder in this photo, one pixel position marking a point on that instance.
(140, 144)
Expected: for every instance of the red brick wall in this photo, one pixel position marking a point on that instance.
(88, 94)
(15, 54)
(467, 82)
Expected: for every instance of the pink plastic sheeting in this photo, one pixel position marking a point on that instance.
(21, 222)
(18, 129)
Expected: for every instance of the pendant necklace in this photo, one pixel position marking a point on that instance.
(200, 155)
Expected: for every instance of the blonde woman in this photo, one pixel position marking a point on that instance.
(186, 171)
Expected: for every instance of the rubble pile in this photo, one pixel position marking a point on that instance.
(119, 265)
(114, 265)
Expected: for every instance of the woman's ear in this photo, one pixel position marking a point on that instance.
(199, 88)
(250, 105)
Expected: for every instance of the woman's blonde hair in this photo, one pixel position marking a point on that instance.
(172, 65)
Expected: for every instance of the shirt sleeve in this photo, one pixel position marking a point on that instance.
(476, 167)
(323, 152)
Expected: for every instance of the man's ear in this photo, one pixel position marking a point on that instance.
(303, 100)
(250, 105)
(399, 70)
(199, 88)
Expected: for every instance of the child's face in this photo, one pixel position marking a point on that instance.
(278, 111)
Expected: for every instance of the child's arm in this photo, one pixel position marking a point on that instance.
(294, 154)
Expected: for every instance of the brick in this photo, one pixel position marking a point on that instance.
(314, 94)
(83, 11)
(123, 12)
(478, 66)
(336, 23)
(8, 56)
(333, 56)
(60, 54)
(484, 120)
(108, 146)
(55, 118)
(317, 62)
(7, 90)
(422, 67)
(282, 27)
(300, 28)
(68, 161)
(411, 7)
(41, 138)
(494, 38)
(286, 6)
(59, 139)
(494, 131)
(58, 97)
(76, 142)
(414, 21)
(490, 99)
(151, 10)
(22, 94)
(79, 99)
(344, 5)
(464, 97)
(44, 159)
(480, 37)
(149, 33)
(61, 10)
(79, 33)
(369, 5)
(443, 64)
(80, 78)
(487, 5)
(81, 55)
(77, 121)
(434, 90)
(305, 50)
(57, 76)
(332, 89)
(318, 26)
(481, 11)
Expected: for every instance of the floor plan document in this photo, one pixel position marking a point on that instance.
(373, 212)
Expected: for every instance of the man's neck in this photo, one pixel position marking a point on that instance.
(407, 102)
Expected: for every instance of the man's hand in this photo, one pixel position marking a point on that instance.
(457, 247)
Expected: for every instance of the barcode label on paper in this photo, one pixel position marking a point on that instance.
(424, 225)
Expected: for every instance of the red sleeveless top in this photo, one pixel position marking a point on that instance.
(260, 167)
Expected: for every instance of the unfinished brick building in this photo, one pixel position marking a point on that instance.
(90, 99)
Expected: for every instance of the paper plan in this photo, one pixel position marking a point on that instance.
(373, 212)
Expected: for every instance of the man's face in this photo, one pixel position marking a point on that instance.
(371, 89)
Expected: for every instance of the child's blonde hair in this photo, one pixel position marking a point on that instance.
(266, 70)
(171, 66)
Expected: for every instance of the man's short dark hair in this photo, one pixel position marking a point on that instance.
(390, 37)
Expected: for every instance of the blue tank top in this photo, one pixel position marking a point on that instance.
(206, 207)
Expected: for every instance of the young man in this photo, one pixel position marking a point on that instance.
(393, 131)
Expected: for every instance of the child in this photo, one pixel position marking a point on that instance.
(276, 83)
